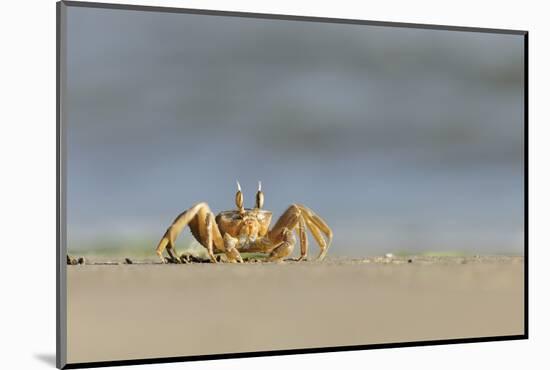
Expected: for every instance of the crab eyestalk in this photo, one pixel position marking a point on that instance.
(239, 198)
(259, 196)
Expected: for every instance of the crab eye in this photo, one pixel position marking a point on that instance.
(239, 199)
(259, 196)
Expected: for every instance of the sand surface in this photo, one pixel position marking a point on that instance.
(138, 311)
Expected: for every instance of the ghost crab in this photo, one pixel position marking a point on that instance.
(247, 230)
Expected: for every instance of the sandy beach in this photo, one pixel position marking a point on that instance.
(136, 311)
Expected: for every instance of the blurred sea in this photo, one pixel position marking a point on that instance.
(402, 139)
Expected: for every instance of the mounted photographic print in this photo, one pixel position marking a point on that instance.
(235, 184)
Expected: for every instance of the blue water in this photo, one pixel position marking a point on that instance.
(402, 139)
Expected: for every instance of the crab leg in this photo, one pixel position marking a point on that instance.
(230, 249)
(284, 248)
(164, 243)
(303, 239)
(209, 247)
(295, 217)
(288, 220)
(317, 226)
(319, 238)
(206, 232)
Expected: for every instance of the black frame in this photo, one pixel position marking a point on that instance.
(61, 267)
